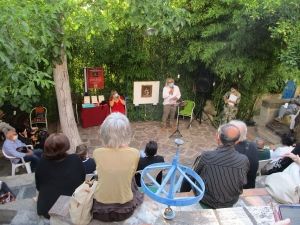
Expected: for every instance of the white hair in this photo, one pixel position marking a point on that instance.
(242, 127)
(116, 131)
(167, 81)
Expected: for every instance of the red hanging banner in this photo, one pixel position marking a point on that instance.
(95, 78)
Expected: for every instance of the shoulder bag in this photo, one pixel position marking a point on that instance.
(81, 203)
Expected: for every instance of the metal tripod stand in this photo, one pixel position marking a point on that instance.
(199, 114)
(177, 130)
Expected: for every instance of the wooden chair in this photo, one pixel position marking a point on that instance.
(38, 115)
(14, 167)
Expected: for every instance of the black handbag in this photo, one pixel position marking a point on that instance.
(22, 149)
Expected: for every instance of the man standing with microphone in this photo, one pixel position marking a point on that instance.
(171, 94)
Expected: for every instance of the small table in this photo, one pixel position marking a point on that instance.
(94, 116)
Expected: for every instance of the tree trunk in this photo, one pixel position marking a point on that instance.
(63, 94)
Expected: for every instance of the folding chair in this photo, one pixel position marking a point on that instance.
(38, 115)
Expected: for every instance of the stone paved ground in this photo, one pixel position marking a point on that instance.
(197, 138)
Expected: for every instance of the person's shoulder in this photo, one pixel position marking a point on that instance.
(208, 152)
(90, 160)
(252, 144)
(133, 150)
(6, 142)
(159, 157)
(73, 157)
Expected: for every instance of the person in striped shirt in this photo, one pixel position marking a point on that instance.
(223, 171)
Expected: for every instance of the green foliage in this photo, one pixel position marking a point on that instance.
(252, 43)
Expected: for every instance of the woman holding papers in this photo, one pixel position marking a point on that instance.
(232, 99)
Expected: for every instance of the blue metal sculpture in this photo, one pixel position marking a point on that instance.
(168, 198)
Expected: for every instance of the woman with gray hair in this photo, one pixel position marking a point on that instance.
(116, 195)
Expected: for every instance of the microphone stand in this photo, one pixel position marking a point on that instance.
(177, 130)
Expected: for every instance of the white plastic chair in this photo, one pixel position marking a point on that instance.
(89, 176)
(261, 164)
(15, 166)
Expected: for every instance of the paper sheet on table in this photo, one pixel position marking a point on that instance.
(232, 98)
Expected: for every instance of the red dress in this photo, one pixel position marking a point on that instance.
(118, 106)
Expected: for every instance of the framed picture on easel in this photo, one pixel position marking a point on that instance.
(146, 91)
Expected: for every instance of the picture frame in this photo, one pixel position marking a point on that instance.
(146, 91)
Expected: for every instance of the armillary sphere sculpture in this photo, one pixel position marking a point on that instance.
(174, 178)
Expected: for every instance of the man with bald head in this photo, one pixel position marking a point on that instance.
(224, 171)
(249, 149)
(10, 146)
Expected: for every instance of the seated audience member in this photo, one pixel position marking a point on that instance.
(224, 171)
(250, 150)
(150, 158)
(37, 137)
(57, 173)
(263, 153)
(89, 163)
(291, 109)
(116, 195)
(24, 120)
(4, 189)
(23, 137)
(117, 102)
(288, 141)
(283, 163)
(10, 146)
(5, 127)
(295, 158)
(22, 134)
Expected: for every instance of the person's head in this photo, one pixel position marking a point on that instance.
(22, 119)
(12, 135)
(115, 131)
(151, 148)
(21, 129)
(228, 135)
(81, 150)
(114, 93)
(288, 139)
(56, 146)
(169, 82)
(242, 128)
(260, 143)
(234, 88)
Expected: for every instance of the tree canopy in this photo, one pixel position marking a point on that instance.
(252, 43)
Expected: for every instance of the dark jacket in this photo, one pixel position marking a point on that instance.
(146, 161)
(250, 150)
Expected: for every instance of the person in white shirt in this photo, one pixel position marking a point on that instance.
(171, 94)
(288, 141)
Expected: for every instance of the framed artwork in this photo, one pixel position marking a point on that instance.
(146, 91)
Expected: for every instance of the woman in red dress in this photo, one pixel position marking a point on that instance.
(116, 102)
